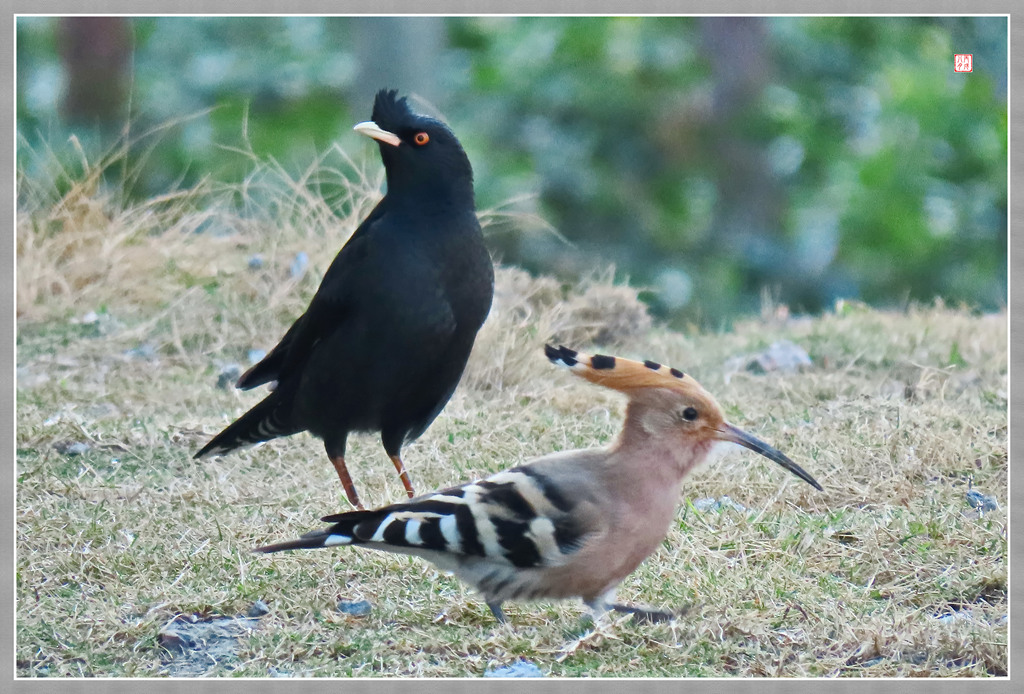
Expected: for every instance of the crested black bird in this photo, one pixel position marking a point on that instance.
(568, 524)
(387, 335)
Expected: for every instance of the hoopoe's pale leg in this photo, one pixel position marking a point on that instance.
(498, 613)
(600, 607)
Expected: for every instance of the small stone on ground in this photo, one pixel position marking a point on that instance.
(229, 375)
(199, 647)
(356, 608)
(258, 609)
(72, 448)
(982, 502)
(520, 668)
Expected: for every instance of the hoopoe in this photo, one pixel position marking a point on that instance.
(568, 524)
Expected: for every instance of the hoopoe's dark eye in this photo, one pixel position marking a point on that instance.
(690, 414)
(421, 138)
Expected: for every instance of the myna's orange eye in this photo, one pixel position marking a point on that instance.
(421, 138)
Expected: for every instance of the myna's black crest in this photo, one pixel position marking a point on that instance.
(415, 148)
(391, 112)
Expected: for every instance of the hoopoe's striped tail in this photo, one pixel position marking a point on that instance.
(343, 532)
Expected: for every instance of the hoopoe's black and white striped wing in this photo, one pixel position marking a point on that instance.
(520, 518)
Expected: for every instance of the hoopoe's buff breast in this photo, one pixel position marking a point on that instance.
(569, 524)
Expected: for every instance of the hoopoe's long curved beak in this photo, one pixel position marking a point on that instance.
(371, 129)
(730, 433)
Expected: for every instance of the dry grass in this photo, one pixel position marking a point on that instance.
(888, 572)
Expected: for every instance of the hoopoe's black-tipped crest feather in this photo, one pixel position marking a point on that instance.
(622, 374)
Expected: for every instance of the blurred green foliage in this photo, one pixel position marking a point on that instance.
(708, 159)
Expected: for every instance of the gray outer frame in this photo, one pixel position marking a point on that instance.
(519, 7)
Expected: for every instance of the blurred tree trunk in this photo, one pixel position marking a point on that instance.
(402, 53)
(96, 54)
(750, 201)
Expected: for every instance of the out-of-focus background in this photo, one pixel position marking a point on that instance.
(708, 159)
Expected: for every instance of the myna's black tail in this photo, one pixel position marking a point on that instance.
(261, 423)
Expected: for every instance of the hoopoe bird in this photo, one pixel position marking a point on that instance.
(569, 524)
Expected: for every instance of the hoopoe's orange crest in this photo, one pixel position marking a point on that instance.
(623, 374)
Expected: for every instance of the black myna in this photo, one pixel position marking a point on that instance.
(387, 335)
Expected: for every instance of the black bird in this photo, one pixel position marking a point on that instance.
(387, 335)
